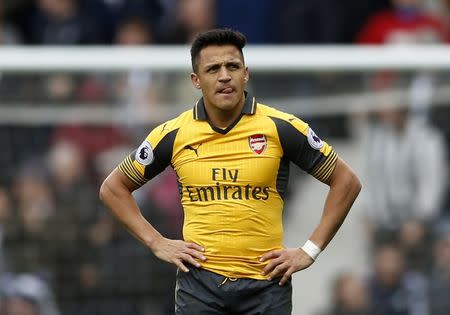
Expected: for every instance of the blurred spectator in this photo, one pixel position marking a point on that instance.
(70, 178)
(90, 139)
(100, 274)
(258, 20)
(164, 193)
(10, 84)
(355, 14)
(405, 23)
(440, 276)
(325, 22)
(192, 17)
(64, 22)
(76, 205)
(116, 266)
(414, 241)
(406, 170)
(8, 34)
(27, 243)
(309, 21)
(350, 296)
(436, 7)
(58, 88)
(21, 143)
(393, 289)
(106, 161)
(119, 276)
(137, 91)
(6, 223)
(150, 11)
(26, 294)
(18, 305)
(134, 31)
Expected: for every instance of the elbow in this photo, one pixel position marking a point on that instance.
(112, 189)
(103, 191)
(349, 182)
(346, 179)
(355, 184)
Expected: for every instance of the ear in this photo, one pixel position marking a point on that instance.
(246, 75)
(195, 81)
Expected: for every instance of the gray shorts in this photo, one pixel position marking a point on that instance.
(201, 292)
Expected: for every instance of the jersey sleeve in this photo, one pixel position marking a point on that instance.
(151, 157)
(304, 148)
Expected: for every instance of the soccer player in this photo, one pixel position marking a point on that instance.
(231, 155)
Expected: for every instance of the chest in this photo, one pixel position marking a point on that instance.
(245, 155)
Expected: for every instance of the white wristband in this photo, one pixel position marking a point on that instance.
(311, 249)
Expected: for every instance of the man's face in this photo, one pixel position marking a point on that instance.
(222, 76)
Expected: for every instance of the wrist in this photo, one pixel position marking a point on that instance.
(311, 249)
(154, 241)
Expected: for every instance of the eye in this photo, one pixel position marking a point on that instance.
(233, 66)
(212, 69)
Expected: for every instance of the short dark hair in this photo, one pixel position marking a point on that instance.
(220, 36)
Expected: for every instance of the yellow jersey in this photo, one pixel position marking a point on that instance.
(232, 181)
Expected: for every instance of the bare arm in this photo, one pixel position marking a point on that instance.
(115, 192)
(344, 188)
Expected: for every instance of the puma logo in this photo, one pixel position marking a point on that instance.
(163, 128)
(189, 147)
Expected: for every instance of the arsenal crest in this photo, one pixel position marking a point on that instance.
(258, 143)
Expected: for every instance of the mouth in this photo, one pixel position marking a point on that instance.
(225, 90)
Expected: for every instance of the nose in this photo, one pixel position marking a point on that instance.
(224, 75)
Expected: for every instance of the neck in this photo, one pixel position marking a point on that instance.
(223, 118)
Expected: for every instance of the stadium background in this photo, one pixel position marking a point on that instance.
(69, 112)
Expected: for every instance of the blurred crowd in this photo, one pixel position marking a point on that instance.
(406, 209)
(62, 254)
(90, 22)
